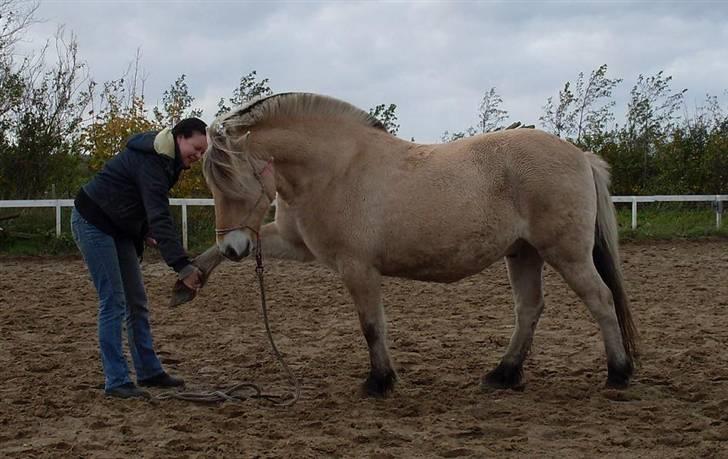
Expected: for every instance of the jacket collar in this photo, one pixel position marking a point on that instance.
(164, 143)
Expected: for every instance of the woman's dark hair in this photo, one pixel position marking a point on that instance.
(188, 127)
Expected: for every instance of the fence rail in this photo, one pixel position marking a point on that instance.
(717, 199)
(59, 203)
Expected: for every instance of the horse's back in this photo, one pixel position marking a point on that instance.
(548, 181)
(524, 167)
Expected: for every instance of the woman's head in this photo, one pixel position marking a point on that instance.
(190, 135)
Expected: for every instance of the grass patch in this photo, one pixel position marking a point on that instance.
(33, 232)
(667, 220)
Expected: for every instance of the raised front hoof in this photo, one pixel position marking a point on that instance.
(618, 376)
(181, 294)
(504, 376)
(379, 386)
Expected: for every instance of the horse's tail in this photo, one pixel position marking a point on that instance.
(606, 254)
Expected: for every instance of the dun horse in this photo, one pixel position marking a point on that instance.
(368, 204)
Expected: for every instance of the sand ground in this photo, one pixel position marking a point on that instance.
(443, 338)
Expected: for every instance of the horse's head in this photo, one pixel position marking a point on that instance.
(242, 185)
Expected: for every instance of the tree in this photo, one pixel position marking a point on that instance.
(591, 115)
(582, 114)
(490, 118)
(13, 23)
(490, 115)
(11, 91)
(650, 118)
(121, 113)
(652, 106)
(711, 113)
(559, 119)
(40, 145)
(248, 89)
(387, 114)
(449, 137)
(176, 104)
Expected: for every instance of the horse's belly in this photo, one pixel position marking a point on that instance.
(449, 266)
(432, 275)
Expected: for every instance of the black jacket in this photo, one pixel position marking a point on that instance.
(129, 197)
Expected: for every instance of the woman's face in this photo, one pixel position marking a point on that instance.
(191, 148)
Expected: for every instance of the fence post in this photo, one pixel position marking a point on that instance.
(184, 225)
(718, 211)
(58, 218)
(634, 212)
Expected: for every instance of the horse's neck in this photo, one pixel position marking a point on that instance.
(307, 157)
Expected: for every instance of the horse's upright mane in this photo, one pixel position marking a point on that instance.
(222, 165)
(292, 104)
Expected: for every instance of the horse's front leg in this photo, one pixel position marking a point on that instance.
(277, 244)
(364, 284)
(206, 262)
(525, 271)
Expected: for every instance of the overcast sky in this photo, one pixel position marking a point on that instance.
(434, 59)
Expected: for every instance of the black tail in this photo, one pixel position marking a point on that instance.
(606, 255)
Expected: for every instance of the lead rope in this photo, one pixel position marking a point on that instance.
(230, 394)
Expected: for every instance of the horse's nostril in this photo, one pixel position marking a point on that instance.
(232, 254)
(246, 252)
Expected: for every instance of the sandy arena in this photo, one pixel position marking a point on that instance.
(443, 338)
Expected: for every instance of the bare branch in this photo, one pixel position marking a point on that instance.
(14, 20)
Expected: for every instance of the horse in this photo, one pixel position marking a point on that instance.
(367, 204)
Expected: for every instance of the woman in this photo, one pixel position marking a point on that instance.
(123, 206)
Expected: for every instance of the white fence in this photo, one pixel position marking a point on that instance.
(59, 203)
(716, 199)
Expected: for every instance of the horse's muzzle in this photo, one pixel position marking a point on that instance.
(233, 255)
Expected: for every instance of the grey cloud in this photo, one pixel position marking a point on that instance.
(433, 59)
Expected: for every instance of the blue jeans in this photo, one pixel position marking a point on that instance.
(116, 274)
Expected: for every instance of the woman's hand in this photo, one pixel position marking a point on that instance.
(193, 281)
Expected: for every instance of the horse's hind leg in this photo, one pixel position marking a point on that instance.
(582, 276)
(364, 284)
(525, 268)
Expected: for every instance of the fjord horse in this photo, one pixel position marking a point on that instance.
(368, 204)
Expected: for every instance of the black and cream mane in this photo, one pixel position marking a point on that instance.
(227, 167)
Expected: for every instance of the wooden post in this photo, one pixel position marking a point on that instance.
(718, 211)
(58, 217)
(184, 226)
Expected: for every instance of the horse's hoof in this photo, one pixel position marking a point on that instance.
(504, 376)
(181, 294)
(379, 386)
(618, 375)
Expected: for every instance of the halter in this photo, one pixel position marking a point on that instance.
(263, 191)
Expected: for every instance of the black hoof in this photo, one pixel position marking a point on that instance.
(618, 375)
(504, 376)
(379, 386)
